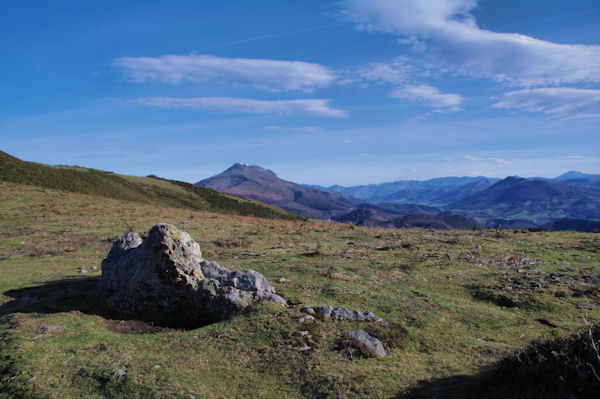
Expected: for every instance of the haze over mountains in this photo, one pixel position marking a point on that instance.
(451, 202)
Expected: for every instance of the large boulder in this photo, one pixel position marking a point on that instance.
(164, 278)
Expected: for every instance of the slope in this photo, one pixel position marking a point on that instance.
(148, 190)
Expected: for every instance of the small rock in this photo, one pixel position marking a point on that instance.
(119, 372)
(189, 396)
(325, 311)
(284, 280)
(305, 318)
(342, 313)
(94, 267)
(307, 310)
(303, 333)
(368, 341)
(157, 366)
(304, 348)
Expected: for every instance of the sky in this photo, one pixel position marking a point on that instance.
(342, 92)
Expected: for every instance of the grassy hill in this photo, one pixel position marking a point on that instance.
(147, 190)
(458, 303)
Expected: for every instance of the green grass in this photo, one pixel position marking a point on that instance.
(147, 190)
(445, 294)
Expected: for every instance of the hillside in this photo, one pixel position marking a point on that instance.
(147, 190)
(456, 320)
(531, 199)
(251, 181)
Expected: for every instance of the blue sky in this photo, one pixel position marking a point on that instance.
(343, 92)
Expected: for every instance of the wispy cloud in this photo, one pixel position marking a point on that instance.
(429, 96)
(472, 158)
(396, 72)
(451, 36)
(312, 107)
(299, 129)
(259, 73)
(560, 102)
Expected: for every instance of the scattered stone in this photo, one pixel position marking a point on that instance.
(165, 279)
(157, 366)
(94, 267)
(342, 313)
(303, 333)
(325, 311)
(284, 280)
(307, 310)
(119, 372)
(305, 319)
(82, 269)
(304, 348)
(369, 342)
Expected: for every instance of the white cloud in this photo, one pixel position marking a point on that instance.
(395, 72)
(259, 73)
(452, 37)
(430, 96)
(300, 129)
(561, 102)
(312, 107)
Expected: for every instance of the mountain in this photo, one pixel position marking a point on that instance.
(531, 199)
(574, 175)
(581, 180)
(148, 190)
(251, 181)
(433, 192)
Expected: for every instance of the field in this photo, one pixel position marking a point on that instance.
(457, 303)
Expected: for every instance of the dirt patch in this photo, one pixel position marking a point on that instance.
(136, 327)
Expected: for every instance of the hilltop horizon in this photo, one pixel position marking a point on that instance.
(550, 177)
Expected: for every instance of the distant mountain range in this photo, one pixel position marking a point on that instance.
(570, 201)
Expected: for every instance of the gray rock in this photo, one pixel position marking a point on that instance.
(325, 311)
(268, 296)
(165, 279)
(341, 313)
(307, 310)
(119, 372)
(370, 342)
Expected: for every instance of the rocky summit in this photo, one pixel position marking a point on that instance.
(164, 279)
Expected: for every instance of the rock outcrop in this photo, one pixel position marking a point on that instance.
(164, 278)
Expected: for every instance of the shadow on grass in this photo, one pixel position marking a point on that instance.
(74, 294)
(566, 367)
